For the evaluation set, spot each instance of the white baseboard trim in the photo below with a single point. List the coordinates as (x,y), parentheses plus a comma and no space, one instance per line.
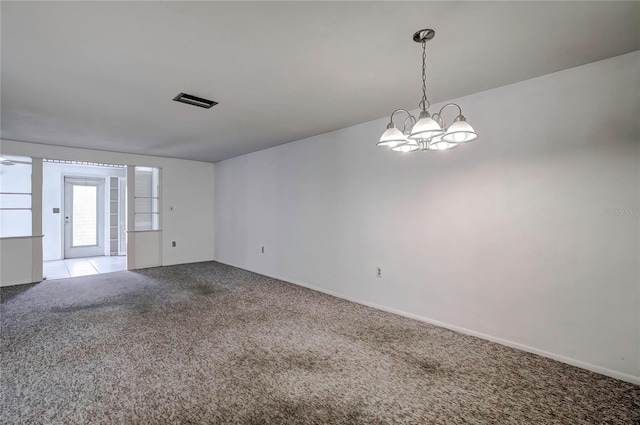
(563,359)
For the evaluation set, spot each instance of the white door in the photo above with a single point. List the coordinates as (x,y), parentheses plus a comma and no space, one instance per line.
(84,217)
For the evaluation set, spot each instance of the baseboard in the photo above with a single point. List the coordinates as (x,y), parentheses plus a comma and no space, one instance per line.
(8,285)
(166,264)
(563,359)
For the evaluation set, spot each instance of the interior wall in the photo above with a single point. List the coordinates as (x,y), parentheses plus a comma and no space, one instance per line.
(13,268)
(528,236)
(186,199)
(53,197)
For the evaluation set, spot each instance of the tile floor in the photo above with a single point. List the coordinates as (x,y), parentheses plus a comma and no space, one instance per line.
(73,267)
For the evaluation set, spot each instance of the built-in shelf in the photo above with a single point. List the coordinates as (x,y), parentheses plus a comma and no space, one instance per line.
(114,216)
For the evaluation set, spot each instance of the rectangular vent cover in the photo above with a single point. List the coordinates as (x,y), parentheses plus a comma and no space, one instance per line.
(194,100)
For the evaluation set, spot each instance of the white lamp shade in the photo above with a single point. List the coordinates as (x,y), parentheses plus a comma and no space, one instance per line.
(460,132)
(425,128)
(392,138)
(437,144)
(409,146)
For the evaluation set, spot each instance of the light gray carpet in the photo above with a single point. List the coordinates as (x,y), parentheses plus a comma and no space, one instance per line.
(209,343)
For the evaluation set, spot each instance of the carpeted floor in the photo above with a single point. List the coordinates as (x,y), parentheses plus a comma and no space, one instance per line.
(209,343)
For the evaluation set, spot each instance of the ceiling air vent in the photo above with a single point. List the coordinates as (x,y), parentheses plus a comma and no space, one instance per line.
(194,100)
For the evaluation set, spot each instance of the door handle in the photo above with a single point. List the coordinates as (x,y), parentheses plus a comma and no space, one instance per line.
(66,219)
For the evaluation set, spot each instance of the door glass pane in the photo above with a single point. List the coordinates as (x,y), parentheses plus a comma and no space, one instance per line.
(85,216)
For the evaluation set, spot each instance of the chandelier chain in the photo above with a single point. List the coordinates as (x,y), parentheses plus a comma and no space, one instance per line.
(423,103)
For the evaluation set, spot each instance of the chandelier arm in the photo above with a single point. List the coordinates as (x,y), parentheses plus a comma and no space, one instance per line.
(450,104)
(412,121)
(402,110)
(438,118)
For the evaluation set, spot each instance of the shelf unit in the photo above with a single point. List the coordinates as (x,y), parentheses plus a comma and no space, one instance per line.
(114,216)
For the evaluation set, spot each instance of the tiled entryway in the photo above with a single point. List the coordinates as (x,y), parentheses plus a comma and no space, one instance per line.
(73,267)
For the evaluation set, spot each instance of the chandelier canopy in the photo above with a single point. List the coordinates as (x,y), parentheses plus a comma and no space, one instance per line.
(427,133)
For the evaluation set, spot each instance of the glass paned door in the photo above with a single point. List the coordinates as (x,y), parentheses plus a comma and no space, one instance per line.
(84,217)
(84,227)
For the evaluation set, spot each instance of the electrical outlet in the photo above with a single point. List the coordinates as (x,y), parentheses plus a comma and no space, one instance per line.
(263,250)
(173,244)
(379,272)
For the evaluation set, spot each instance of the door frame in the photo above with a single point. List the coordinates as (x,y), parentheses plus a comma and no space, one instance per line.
(100,249)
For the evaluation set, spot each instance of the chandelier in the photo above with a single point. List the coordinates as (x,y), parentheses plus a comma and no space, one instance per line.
(428,132)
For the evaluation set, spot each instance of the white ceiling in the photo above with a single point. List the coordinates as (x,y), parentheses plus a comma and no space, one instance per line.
(101,75)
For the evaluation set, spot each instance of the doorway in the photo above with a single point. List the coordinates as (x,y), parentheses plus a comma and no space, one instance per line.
(84,217)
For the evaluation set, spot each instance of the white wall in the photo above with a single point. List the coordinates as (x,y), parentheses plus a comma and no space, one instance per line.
(53,197)
(528,236)
(187,186)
